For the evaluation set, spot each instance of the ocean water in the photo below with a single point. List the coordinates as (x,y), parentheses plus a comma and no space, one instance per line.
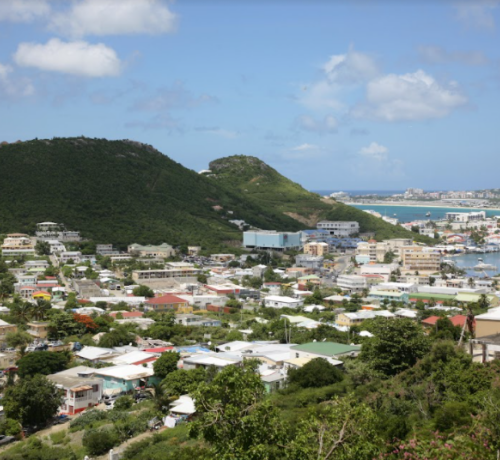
(470,260)
(360,192)
(410,213)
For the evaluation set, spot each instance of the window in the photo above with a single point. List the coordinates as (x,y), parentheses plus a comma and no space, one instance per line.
(95,388)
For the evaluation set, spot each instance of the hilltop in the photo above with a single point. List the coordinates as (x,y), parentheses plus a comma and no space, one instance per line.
(121,192)
(266,187)
(125,191)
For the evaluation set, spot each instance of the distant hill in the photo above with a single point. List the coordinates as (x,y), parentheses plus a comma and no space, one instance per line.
(267,188)
(121,192)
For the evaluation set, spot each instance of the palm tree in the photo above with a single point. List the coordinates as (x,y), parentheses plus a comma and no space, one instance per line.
(22,311)
(39,311)
(160,397)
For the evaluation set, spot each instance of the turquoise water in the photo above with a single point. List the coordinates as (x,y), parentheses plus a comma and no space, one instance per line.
(411,213)
(470,260)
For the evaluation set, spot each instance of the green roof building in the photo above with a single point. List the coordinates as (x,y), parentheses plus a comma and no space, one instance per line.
(324,350)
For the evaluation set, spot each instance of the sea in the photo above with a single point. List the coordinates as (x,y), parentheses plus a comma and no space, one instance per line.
(412,213)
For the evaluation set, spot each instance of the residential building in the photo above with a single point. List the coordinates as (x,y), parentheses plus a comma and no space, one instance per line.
(314,248)
(196,320)
(166,302)
(373,250)
(125,378)
(5,328)
(395,244)
(401,287)
(145,276)
(106,250)
(309,261)
(420,258)
(7,360)
(354,318)
(352,283)
(466,217)
(389,295)
(17,241)
(56,247)
(323,350)
(163,250)
(276,301)
(488,323)
(194,250)
(80,389)
(222,257)
(383,270)
(338,228)
(38,329)
(268,239)
(95,354)
(86,288)
(206,360)
(67,256)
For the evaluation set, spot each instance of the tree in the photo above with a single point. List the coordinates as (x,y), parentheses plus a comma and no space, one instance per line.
(233,336)
(19,339)
(181,381)
(123,403)
(397,345)
(143,291)
(32,401)
(389,257)
(483,301)
(166,363)
(233,418)
(432,280)
(342,429)
(42,362)
(117,337)
(314,374)
(98,442)
(42,248)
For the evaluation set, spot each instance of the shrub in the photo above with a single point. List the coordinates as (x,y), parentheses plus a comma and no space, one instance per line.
(123,403)
(10,427)
(87,418)
(98,442)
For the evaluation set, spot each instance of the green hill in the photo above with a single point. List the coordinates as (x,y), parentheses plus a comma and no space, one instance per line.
(120,192)
(267,188)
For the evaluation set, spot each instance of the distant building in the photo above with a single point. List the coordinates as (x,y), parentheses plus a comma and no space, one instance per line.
(466,216)
(267,239)
(339,228)
(166,302)
(275,301)
(372,250)
(419,258)
(163,250)
(314,248)
(308,261)
(352,283)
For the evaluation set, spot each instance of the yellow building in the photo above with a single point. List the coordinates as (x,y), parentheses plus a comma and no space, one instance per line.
(38,329)
(17,241)
(372,249)
(42,295)
(5,328)
(420,258)
(316,249)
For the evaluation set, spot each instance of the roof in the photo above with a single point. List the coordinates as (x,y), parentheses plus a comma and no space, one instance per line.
(457,320)
(279,298)
(127,314)
(41,293)
(133,357)
(92,353)
(158,349)
(326,348)
(126,372)
(165,299)
(493,314)
(183,405)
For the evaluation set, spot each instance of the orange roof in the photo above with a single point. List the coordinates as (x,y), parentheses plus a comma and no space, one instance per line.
(41,293)
(164,299)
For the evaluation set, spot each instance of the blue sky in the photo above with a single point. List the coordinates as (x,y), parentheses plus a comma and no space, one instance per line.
(335,95)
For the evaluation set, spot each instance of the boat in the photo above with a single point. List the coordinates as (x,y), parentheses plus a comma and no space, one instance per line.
(482,266)
(428,214)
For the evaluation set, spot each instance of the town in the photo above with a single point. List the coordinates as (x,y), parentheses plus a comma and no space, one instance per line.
(96,331)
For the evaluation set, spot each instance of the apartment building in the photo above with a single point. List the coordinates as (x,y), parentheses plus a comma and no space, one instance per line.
(316,249)
(338,228)
(372,250)
(352,283)
(420,258)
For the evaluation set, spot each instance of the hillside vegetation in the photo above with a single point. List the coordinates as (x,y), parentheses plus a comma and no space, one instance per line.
(121,192)
(267,188)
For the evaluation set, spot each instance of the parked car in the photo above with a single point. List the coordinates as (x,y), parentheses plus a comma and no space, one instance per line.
(6,439)
(60,419)
(108,399)
(110,405)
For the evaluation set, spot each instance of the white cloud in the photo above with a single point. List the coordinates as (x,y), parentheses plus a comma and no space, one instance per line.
(477,14)
(350,68)
(174,97)
(328,125)
(375,151)
(14,87)
(74,58)
(303,147)
(23,10)
(437,55)
(115,17)
(340,71)
(412,96)
(221,132)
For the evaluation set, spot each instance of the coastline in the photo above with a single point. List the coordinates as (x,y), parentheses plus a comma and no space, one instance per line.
(421,204)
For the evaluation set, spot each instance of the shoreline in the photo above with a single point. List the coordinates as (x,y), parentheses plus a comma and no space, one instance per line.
(422,205)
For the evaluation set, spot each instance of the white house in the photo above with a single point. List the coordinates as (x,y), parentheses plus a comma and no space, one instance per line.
(277,301)
(352,283)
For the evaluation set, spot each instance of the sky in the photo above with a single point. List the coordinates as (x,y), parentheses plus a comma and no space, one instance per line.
(336,95)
